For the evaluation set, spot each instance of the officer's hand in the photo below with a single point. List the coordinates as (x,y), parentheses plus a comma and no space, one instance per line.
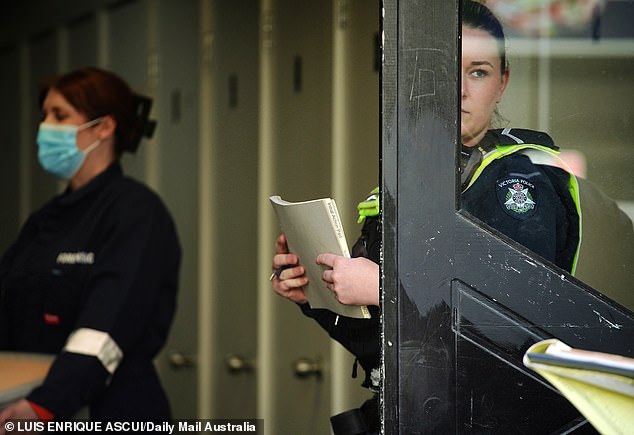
(20,410)
(290,282)
(354,281)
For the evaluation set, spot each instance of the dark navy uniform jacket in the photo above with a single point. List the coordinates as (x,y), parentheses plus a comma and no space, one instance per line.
(527,202)
(101,261)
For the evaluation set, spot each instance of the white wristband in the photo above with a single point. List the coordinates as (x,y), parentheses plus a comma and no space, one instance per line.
(95,343)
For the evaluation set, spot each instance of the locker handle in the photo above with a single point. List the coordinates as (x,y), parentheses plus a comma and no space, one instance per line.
(179,360)
(306,367)
(237,364)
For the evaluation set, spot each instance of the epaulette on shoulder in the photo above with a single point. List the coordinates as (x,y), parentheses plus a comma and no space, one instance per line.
(516,136)
(370,206)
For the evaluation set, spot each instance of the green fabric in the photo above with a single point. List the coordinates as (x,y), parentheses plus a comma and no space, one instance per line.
(370,206)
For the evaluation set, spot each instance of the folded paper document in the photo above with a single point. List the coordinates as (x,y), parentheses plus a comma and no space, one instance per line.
(599,385)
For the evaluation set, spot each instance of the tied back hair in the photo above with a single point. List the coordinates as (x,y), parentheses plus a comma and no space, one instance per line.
(145,125)
(95,92)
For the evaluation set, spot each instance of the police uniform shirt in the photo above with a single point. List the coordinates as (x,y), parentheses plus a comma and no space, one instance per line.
(92,278)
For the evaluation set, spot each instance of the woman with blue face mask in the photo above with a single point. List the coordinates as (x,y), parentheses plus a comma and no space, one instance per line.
(59,152)
(77,144)
(92,277)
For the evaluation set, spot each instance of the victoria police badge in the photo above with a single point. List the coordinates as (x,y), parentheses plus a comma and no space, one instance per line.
(516,196)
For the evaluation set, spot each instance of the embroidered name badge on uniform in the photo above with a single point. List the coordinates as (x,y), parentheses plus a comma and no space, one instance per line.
(516,196)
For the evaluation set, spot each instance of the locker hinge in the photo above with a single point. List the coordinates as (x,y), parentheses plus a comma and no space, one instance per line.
(153,70)
(342,13)
(207,50)
(267,29)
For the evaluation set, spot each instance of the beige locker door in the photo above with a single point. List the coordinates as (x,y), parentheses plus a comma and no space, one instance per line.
(295,116)
(234,168)
(175,43)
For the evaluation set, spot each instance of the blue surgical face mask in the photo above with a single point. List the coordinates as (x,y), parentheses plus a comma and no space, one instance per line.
(57,148)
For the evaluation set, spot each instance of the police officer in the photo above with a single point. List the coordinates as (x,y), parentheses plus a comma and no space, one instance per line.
(536,205)
(93,274)
(361,337)
(513,181)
